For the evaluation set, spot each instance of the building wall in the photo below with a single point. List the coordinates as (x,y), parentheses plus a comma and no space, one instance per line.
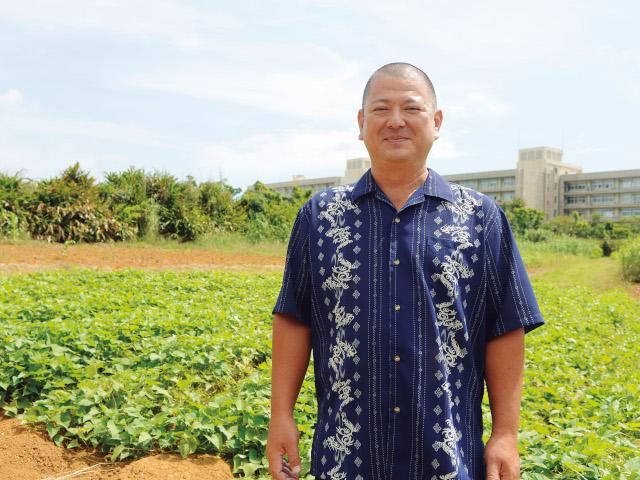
(539,171)
(499,184)
(613,194)
(540,178)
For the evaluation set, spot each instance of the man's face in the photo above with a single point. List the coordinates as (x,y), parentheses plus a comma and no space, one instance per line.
(398,123)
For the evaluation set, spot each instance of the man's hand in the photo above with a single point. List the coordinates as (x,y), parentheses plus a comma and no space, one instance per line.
(501,457)
(283,440)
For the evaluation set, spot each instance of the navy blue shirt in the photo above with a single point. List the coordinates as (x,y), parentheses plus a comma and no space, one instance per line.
(401,305)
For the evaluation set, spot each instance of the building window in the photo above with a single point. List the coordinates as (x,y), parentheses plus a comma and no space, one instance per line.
(488,183)
(630,198)
(468,183)
(605,212)
(577,200)
(508,181)
(602,199)
(572,187)
(508,196)
(602,185)
(631,183)
(630,212)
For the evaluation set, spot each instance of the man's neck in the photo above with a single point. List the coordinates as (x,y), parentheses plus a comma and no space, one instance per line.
(399,181)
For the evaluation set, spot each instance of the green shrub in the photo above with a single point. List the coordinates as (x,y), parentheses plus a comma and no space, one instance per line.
(538,235)
(68,208)
(216,201)
(13,196)
(563,245)
(523,219)
(630,260)
(269,215)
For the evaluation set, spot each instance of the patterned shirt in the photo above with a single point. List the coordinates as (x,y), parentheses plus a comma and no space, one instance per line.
(401,305)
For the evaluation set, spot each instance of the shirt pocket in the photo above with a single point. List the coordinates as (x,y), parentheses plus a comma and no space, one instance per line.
(446,264)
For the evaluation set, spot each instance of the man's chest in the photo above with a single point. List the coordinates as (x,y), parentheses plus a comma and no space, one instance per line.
(359,251)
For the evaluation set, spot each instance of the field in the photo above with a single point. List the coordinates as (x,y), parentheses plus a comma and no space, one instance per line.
(173,356)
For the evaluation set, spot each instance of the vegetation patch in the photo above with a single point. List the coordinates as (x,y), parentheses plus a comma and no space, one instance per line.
(134,362)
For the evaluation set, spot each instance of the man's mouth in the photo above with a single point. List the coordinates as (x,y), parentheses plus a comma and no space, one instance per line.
(396,139)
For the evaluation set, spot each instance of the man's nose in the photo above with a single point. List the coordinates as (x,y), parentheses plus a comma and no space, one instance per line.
(396,119)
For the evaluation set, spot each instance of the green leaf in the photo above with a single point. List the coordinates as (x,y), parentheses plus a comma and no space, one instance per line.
(117,452)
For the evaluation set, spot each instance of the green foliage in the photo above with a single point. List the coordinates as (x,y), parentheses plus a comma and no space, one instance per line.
(523,219)
(630,260)
(68,209)
(135,204)
(13,194)
(268,214)
(512,204)
(179,215)
(126,195)
(579,409)
(217,203)
(537,235)
(130,362)
(576,225)
(536,254)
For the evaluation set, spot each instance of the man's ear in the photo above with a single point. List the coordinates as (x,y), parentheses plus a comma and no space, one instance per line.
(360,123)
(437,120)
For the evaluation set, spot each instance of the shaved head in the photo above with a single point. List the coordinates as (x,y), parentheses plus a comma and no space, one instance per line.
(402,70)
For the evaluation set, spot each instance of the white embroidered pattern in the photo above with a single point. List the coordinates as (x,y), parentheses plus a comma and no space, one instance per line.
(341,350)
(453,268)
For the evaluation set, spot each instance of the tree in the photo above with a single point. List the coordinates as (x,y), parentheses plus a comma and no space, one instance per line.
(523,219)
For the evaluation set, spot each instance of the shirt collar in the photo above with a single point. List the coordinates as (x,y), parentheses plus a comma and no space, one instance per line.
(434,186)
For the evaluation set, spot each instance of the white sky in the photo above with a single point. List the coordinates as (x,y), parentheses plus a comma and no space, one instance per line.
(260,90)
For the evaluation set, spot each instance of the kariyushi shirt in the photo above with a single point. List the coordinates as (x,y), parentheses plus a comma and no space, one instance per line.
(401,305)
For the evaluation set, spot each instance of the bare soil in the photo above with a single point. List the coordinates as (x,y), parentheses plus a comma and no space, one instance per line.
(35,256)
(26,454)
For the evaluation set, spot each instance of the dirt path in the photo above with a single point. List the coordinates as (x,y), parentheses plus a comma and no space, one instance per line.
(33,256)
(26,454)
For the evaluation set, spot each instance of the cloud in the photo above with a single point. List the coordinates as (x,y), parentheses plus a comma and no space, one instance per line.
(444,148)
(169,21)
(11,97)
(317,83)
(277,156)
(467,102)
(30,119)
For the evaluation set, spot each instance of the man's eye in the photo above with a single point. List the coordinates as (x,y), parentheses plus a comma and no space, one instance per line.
(380,109)
(413,108)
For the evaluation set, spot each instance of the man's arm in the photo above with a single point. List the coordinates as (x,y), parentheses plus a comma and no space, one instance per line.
(504,366)
(291,348)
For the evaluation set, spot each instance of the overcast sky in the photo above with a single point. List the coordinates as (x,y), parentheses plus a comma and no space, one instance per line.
(262,90)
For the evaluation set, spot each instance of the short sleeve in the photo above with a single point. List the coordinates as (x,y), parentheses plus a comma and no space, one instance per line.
(510,302)
(295,293)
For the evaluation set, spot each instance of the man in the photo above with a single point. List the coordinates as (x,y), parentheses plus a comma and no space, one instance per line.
(412,293)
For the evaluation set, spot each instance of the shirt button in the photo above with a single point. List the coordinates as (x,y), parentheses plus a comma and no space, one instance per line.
(396,358)
(396,409)
(396,262)
(397,307)
(397,219)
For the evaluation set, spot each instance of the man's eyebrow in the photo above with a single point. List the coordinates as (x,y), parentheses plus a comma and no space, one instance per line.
(408,100)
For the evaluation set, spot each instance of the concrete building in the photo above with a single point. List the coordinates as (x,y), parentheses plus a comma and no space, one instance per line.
(355,168)
(536,179)
(614,194)
(540,178)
